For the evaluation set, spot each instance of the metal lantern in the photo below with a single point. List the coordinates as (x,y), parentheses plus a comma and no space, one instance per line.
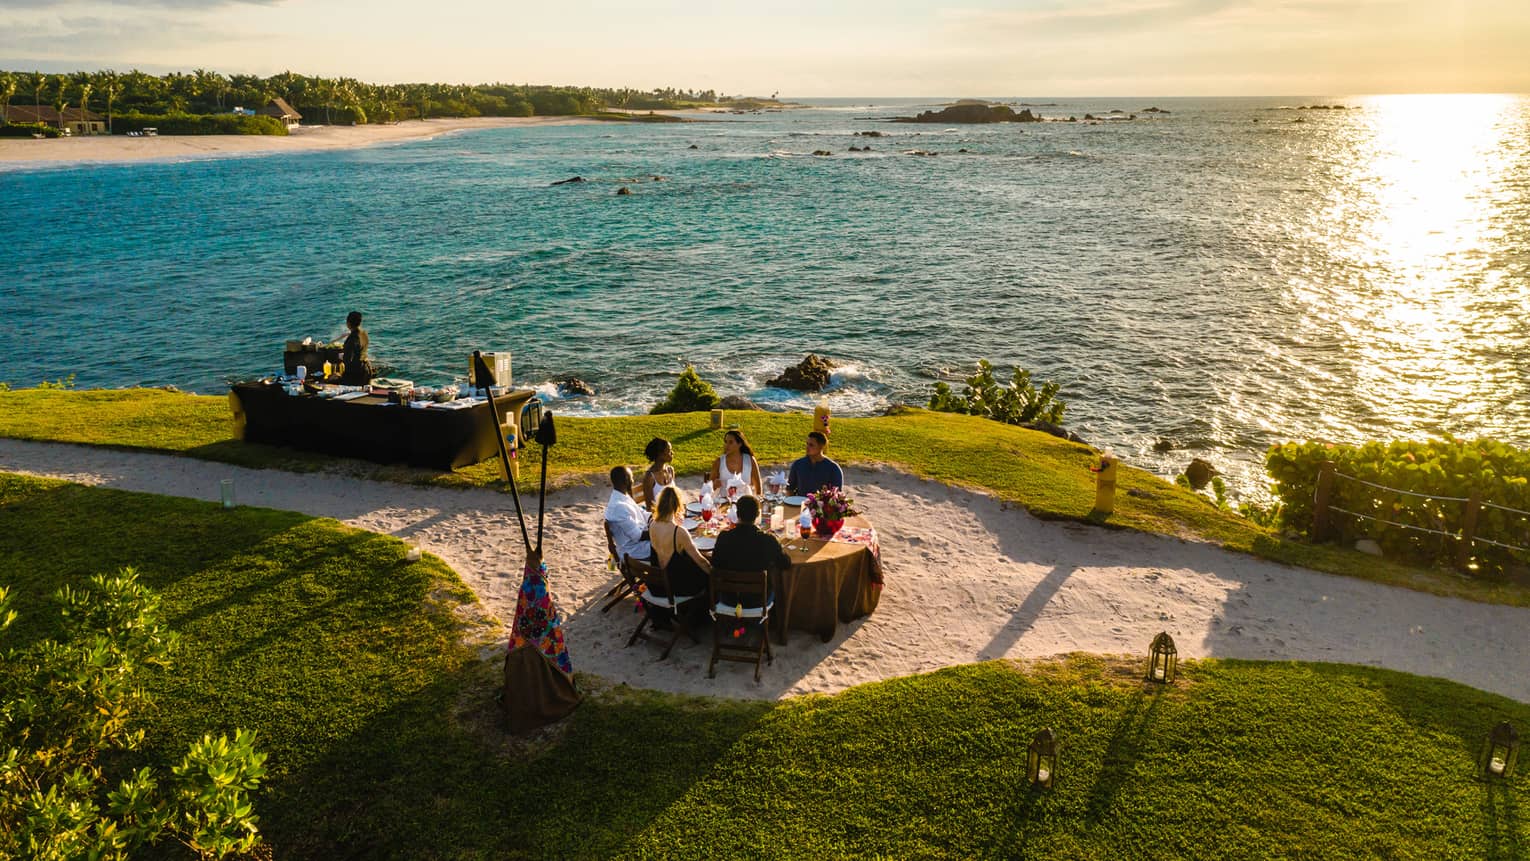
(1501,753)
(1041,759)
(1164,662)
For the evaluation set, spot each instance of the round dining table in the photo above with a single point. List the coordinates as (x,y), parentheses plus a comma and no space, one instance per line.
(830,581)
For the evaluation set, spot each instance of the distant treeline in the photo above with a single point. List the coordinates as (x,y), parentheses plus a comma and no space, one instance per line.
(327,100)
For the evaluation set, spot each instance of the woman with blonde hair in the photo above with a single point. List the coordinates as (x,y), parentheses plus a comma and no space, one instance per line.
(673,549)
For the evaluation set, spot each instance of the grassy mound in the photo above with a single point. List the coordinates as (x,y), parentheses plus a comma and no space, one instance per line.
(1047,475)
(349,662)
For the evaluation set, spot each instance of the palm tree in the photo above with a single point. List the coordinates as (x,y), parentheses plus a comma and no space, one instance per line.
(38,79)
(85,103)
(7,89)
(61,100)
(113,87)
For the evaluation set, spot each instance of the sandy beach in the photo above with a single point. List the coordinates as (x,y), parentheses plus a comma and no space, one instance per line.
(968,578)
(118,148)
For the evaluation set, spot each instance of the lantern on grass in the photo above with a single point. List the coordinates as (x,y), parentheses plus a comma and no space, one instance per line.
(1164,661)
(1041,759)
(1501,753)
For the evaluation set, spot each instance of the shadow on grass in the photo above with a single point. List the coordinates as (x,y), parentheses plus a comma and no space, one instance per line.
(435,775)
(1501,827)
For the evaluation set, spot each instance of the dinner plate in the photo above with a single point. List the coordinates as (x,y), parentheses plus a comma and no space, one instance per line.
(693,507)
(795,500)
(704,543)
(689,523)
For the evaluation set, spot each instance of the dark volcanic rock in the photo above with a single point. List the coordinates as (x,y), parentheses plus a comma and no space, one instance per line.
(868,134)
(569,180)
(573,386)
(738,402)
(810,375)
(1199,472)
(822,152)
(693,146)
(977,113)
(624,190)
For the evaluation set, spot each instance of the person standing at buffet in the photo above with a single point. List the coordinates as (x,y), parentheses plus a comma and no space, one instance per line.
(358,371)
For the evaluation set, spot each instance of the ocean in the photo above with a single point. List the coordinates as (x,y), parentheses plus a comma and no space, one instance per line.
(1202,281)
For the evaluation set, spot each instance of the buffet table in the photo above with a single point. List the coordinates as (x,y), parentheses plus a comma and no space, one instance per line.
(371,428)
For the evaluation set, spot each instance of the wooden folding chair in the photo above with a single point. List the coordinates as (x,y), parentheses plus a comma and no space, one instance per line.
(625,586)
(653,591)
(739,599)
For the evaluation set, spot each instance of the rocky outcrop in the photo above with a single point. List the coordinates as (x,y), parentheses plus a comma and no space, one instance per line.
(809,375)
(822,152)
(570,180)
(1055,430)
(973,113)
(575,387)
(1199,473)
(624,190)
(867,134)
(739,402)
(693,146)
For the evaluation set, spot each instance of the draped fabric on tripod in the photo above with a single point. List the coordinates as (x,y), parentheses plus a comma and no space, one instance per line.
(539,683)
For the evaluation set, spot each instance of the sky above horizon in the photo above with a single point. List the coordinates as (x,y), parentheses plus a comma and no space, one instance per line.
(807,49)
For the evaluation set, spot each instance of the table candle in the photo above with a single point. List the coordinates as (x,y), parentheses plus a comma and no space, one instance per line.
(413,552)
(1496,765)
(1158,673)
(1042,774)
(226,492)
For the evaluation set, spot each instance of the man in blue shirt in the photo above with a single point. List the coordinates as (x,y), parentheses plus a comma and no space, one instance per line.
(809,474)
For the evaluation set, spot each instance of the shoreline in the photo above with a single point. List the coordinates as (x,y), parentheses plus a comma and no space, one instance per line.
(121,148)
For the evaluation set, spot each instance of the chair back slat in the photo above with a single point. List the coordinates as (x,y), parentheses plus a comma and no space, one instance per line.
(751,587)
(653,577)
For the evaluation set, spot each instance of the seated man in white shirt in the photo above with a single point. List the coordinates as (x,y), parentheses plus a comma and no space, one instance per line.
(629,521)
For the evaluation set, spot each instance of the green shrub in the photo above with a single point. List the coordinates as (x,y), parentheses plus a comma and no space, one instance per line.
(26,130)
(690,394)
(199,124)
(66,712)
(1447,467)
(1015,404)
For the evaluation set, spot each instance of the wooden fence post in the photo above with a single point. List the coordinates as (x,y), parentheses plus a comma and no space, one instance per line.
(1320,501)
(1468,530)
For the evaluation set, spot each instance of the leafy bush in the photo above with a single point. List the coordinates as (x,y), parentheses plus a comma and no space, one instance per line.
(199,124)
(62,383)
(66,702)
(1446,467)
(1015,404)
(26,130)
(690,394)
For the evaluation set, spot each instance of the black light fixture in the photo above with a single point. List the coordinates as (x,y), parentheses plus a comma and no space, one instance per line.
(1164,663)
(1501,753)
(1041,759)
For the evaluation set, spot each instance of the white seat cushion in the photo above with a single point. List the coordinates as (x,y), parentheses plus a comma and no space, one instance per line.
(668,603)
(730,611)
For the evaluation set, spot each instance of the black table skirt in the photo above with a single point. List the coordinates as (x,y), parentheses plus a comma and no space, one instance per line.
(371,429)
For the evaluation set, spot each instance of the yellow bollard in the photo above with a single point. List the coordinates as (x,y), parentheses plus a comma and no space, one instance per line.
(821,421)
(1105,483)
(717,419)
(511,470)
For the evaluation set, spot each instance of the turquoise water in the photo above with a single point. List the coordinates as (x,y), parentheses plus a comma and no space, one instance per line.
(1197,277)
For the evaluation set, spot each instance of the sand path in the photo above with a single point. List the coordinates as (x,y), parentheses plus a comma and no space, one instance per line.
(968,579)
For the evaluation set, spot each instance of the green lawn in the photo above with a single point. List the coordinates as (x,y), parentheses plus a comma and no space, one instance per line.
(1047,475)
(350,664)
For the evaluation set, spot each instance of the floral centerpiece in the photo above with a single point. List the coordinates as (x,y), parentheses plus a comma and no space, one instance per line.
(830,506)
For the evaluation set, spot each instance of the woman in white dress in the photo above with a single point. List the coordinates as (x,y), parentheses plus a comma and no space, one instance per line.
(737,462)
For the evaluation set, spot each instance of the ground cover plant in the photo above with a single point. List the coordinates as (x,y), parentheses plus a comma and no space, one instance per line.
(349,663)
(1049,476)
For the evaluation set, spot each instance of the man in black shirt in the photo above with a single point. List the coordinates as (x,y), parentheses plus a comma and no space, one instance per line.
(745,547)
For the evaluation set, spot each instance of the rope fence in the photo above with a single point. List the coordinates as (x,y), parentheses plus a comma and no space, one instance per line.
(1465,537)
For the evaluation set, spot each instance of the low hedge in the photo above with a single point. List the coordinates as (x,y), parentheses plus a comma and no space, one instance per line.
(199,124)
(26,130)
(1448,467)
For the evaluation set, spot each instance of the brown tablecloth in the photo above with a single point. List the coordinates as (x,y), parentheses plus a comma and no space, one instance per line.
(371,429)
(828,583)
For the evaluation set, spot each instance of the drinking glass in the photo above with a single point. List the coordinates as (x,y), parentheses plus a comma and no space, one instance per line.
(327,368)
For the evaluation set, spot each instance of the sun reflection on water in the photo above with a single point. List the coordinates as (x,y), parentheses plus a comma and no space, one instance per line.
(1412,222)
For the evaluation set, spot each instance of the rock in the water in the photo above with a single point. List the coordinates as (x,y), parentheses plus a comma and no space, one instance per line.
(973,113)
(738,402)
(569,180)
(693,146)
(1199,472)
(1366,545)
(624,190)
(573,386)
(809,375)
(822,152)
(868,134)
(1163,445)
